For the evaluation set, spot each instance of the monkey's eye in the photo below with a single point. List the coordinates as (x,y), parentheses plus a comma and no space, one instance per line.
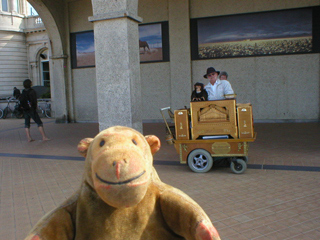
(102,143)
(134,142)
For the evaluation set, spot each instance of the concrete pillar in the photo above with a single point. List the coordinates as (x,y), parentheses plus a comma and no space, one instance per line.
(33,69)
(12,5)
(117,63)
(23,7)
(58,89)
(180,55)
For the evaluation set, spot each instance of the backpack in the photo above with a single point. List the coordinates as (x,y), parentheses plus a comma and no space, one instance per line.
(24,101)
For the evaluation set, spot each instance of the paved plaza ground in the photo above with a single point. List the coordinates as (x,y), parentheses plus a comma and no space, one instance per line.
(278,197)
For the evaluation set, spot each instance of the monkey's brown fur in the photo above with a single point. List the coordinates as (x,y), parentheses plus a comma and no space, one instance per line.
(121,197)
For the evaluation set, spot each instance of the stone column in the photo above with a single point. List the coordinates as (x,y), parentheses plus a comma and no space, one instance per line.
(23,9)
(117,63)
(12,5)
(33,69)
(58,89)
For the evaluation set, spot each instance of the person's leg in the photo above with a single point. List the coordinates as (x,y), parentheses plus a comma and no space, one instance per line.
(37,119)
(29,135)
(27,126)
(44,137)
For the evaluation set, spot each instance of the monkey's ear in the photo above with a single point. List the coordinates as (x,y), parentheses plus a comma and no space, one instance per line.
(83,146)
(154,143)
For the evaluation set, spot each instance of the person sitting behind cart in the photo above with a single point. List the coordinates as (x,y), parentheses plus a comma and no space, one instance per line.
(199,93)
(223,75)
(217,89)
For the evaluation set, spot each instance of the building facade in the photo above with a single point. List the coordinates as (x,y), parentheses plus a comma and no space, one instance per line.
(119,89)
(24,47)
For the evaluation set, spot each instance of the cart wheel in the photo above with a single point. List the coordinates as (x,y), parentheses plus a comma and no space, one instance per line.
(200,161)
(238,166)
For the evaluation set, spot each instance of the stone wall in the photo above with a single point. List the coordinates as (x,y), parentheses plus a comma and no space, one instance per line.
(83,79)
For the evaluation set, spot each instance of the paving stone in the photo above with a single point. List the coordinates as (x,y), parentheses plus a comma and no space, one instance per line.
(259,204)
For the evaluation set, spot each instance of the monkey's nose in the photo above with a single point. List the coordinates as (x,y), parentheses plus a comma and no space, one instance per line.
(117,165)
(114,163)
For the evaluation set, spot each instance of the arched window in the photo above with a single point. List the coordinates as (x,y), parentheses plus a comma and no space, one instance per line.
(44,68)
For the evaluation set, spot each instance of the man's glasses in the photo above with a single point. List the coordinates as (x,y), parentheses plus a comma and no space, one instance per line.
(211,74)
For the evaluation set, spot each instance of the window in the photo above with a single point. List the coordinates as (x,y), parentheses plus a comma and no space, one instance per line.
(45,69)
(31,11)
(5,5)
(45,74)
(17,6)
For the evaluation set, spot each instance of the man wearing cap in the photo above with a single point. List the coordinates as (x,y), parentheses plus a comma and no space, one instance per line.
(217,89)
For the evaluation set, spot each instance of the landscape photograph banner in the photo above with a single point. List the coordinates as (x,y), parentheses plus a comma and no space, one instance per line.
(82,49)
(253,34)
(154,42)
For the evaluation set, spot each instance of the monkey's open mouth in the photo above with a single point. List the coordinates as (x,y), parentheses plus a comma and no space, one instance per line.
(120,183)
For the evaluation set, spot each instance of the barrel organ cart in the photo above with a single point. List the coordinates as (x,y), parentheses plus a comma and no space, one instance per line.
(209,131)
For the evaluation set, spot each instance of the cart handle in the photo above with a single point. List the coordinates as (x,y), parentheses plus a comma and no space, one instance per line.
(165,120)
(165,108)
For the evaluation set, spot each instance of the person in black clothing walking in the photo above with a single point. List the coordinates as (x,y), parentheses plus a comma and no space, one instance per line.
(32,111)
(16,92)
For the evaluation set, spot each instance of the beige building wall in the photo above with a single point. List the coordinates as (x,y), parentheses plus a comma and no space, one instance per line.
(271,83)
(155,77)
(279,87)
(83,80)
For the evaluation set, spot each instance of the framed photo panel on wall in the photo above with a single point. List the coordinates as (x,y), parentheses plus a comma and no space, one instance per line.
(82,49)
(154,42)
(293,31)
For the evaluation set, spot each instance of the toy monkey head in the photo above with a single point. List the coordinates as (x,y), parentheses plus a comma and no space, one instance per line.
(119,164)
(198,87)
